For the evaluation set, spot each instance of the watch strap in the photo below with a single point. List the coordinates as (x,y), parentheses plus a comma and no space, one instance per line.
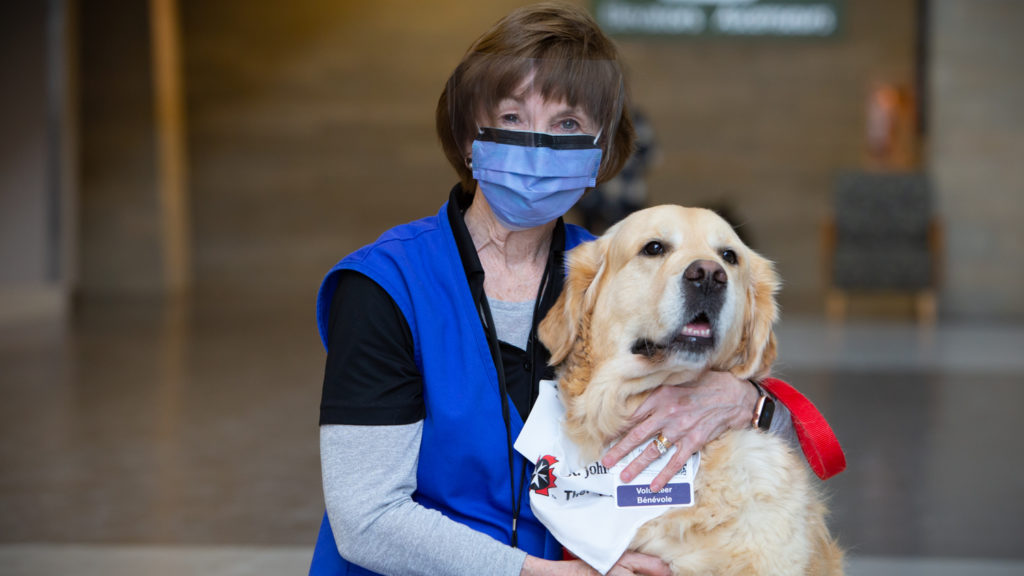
(763,411)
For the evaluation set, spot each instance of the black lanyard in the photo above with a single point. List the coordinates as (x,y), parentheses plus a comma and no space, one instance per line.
(484,310)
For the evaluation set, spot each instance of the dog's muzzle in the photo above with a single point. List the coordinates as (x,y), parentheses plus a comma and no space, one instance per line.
(703,290)
(704,284)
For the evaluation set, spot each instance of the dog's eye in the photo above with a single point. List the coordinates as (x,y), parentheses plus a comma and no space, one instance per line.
(653,248)
(730,257)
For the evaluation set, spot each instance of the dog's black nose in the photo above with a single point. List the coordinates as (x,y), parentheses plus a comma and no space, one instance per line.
(706,276)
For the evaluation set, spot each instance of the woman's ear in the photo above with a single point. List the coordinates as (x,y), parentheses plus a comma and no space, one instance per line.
(563,324)
(758,346)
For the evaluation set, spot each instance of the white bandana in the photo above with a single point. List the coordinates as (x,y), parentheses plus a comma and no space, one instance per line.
(586,506)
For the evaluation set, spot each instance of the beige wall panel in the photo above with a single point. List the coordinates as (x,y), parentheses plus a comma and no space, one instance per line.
(976,152)
(119,212)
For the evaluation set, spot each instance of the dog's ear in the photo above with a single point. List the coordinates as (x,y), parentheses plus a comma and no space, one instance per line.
(759,349)
(563,324)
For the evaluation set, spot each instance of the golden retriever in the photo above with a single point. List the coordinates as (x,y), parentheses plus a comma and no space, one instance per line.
(664,295)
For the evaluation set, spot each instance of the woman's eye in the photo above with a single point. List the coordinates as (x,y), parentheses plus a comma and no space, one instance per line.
(730,257)
(510,118)
(653,248)
(569,125)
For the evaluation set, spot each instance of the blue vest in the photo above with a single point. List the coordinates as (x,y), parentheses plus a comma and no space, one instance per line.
(463,463)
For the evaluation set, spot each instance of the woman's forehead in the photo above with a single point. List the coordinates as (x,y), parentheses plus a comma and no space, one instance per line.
(534,99)
(528,93)
(549,87)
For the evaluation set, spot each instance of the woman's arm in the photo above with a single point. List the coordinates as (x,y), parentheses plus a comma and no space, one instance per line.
(376,524)
(369,475)
(371,422)
(630,564)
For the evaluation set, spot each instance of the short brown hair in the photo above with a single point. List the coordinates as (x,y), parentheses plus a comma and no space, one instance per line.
(572,60)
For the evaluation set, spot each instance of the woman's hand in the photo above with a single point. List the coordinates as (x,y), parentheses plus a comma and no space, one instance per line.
(534,566)
(689,415)
(629,564)
(636,564)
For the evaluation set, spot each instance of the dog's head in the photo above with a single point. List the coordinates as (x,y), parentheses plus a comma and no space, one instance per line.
(664,295)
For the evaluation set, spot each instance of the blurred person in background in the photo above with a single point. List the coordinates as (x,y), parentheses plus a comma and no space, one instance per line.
(626,193)
(433,361)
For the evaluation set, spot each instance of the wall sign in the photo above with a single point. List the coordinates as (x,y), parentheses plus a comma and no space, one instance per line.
(740,18)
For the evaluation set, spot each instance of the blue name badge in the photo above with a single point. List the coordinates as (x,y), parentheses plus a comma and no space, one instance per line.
(632,495)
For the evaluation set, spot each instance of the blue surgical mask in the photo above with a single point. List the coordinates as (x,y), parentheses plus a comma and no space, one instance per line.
(531,178)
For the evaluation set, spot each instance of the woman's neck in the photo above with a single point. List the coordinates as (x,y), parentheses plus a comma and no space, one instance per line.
(513,260)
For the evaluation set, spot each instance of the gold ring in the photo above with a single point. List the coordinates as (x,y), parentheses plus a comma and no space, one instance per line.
(662,443)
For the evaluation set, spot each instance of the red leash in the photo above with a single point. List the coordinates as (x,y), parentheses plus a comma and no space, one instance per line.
(821,448)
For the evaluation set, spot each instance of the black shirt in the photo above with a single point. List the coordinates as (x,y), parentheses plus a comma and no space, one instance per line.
(371,377)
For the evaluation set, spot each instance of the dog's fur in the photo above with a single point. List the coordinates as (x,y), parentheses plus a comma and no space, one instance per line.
(630,319)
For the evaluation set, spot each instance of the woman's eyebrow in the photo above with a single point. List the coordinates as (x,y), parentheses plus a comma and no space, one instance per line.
(561,110)
(520,92)
(574,110)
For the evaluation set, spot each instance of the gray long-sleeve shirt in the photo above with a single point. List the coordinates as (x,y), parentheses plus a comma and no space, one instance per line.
(369,476)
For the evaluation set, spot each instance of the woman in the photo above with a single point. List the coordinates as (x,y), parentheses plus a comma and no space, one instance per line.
(433,360)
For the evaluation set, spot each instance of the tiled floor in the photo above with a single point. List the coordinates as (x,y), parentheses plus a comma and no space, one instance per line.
(180,438)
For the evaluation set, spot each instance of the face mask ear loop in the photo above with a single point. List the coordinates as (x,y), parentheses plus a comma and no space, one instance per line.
(598,136)
(469,159)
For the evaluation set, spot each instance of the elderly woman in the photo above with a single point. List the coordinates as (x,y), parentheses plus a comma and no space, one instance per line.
(433,362)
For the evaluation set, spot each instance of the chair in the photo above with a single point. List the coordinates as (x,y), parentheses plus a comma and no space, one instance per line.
(882,238)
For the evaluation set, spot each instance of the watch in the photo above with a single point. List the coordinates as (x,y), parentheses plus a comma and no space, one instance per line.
(763,411)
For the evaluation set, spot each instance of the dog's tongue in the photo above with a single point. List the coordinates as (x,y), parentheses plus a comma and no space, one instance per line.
(698,329)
